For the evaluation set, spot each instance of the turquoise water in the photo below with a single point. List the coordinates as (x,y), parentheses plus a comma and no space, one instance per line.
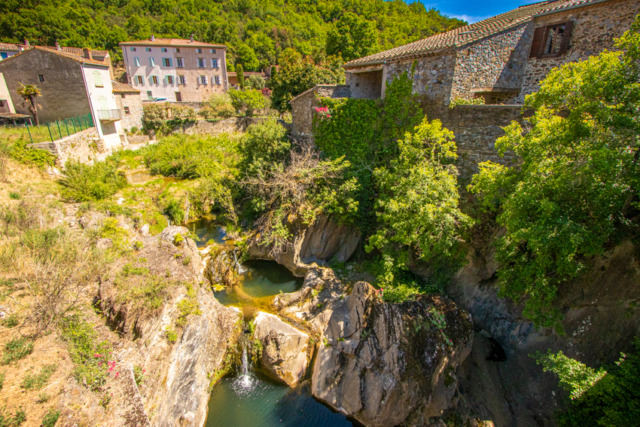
(266,405)
(206,230)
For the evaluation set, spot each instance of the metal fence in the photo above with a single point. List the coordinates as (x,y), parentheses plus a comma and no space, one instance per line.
(59,129)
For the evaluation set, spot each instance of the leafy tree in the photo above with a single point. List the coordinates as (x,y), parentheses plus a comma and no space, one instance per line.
(248,101)
(577,184)
(417,207)
(240,75)
(30,93)
(246,57)
(352,37)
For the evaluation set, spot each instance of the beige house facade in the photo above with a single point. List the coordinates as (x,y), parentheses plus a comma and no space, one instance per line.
(130,104)
(179,70)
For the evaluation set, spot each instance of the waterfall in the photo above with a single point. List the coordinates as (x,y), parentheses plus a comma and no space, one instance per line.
(245,382)
(239,268)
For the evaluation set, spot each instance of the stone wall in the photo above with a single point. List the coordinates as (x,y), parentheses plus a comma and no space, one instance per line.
(84,147)
(230,125)
(493,63)
(476,128)
(134,102)
(302,107)
(594,28)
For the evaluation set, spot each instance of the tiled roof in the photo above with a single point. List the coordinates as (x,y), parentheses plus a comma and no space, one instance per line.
(77,50)
(559,6)
(468,34)
(71,56)
(172,42)
(123,88)
(10,46)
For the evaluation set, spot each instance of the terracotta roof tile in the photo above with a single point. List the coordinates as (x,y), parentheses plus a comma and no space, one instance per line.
(10,46)
(122,88)
(468,34)
(172,42)
(71,56)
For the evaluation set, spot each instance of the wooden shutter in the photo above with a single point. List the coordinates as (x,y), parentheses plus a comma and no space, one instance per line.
(536,45)
(566,37)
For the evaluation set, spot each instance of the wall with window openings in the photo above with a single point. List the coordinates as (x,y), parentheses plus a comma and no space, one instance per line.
(592,29)
(190,74)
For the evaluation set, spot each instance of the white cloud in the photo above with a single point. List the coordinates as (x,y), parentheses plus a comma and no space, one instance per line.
(470,18)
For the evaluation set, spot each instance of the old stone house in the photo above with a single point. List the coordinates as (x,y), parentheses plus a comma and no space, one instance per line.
(130,104)
(70,85)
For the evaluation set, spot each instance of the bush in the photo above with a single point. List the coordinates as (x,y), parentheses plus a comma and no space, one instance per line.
(16,349)
(164,118)
(84,183)
(9,420)
(31,156)
(51,418)
(33,381)
(248,101)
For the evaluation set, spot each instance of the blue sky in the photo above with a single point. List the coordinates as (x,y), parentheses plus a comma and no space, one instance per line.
(474,10)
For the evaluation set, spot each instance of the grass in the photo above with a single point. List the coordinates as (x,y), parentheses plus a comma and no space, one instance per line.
(16,349)
(10,321)
(51,418)
(14,195)
(12,420)
(37,381)
(187,306)
(96,182)
(1,381)
(150,294)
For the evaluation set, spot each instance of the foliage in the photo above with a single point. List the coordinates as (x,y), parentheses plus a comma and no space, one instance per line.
(83,183)
(611,401)
(139,374)
(417,206)
(298,73)
(575,377)
(577,185)
(89,358)
(30,156)
(10,321)
(29,93)
(352,37)
(9,420)
(248,101)
(16,349)
(265,145)
(256,82)
(220,106)
(51,418)
(37,381)
(240,76)
(164,118)
(187,306)
(463,101)
(171,334)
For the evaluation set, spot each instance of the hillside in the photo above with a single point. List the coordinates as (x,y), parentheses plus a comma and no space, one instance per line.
(255,31)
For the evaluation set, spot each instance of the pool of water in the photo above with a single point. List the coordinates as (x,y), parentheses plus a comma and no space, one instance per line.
(251,402)
(206,230)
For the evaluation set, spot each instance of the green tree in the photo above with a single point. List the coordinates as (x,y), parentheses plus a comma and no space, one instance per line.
(418,202)
(576,186)
(352,37)
(30,93)
(248,101)
(240,75)
(246,57)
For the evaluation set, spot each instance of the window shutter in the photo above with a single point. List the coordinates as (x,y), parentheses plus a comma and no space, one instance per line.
(536,45)
(566,37)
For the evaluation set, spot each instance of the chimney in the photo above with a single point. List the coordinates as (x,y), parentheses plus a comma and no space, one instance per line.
(86,53)
(26,43)
(192,35)
(58,46)
(152,38)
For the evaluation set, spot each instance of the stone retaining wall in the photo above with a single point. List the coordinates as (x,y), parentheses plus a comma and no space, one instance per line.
(230,125)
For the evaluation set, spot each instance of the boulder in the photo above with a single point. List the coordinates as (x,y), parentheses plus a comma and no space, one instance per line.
(381,363)
(284,348)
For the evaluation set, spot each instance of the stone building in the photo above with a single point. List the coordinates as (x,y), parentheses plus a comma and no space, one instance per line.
(176,69)
(70,85)
(130,104)
(302,106)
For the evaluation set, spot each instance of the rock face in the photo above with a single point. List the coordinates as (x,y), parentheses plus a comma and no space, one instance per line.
(284,348)
(322,241)
(381,363)
(176,390)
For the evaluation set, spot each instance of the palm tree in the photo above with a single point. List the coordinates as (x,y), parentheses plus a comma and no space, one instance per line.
(30,93)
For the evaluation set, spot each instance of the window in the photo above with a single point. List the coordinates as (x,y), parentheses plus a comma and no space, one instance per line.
(137,61)
(1,103)
(200,62)
(179,63)
(97,79)
(152,62)
(217,79)
(166,62)
(203,80)
(551,41)
(164,49)
(123,95)
(178,96)
(41,78)
(214,63)
(127,111)
(170,80)
(140,80)
(149,94)
(213,51)
(177,50)
(182,80)
(133,49)
(148,49)
(198,50)
(154,80)
(3,55)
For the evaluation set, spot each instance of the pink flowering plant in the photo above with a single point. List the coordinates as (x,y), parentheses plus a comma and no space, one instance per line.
(323,112)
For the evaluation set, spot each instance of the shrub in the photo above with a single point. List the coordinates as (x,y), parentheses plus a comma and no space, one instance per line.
(149,294)
(171,334)
(86,183)
(173,210)
(31,156)
(16,349)
(462,101)
(14,196)
(33,381)
(9,420)
(139,374)
(248,101)
(188,305)
(50,418)
(89,358)
(164,118)
(10,321)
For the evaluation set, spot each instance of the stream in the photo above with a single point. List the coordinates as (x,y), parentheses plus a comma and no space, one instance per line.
(247,399)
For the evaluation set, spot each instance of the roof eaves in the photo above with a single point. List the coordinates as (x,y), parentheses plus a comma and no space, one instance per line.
(551,11)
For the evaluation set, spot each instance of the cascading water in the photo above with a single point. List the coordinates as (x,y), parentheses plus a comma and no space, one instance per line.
(245,382)
(241,269)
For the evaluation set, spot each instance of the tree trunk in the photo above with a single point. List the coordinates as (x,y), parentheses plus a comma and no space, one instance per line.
(34,111)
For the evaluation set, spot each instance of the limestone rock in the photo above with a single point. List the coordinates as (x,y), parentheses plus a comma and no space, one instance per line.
(323,240)
(284,348)
(381,363)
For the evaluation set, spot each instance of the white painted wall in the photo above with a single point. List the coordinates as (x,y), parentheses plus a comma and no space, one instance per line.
(100,92)
(5,97)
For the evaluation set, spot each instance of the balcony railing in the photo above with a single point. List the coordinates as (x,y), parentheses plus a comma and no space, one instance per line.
(109,115)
